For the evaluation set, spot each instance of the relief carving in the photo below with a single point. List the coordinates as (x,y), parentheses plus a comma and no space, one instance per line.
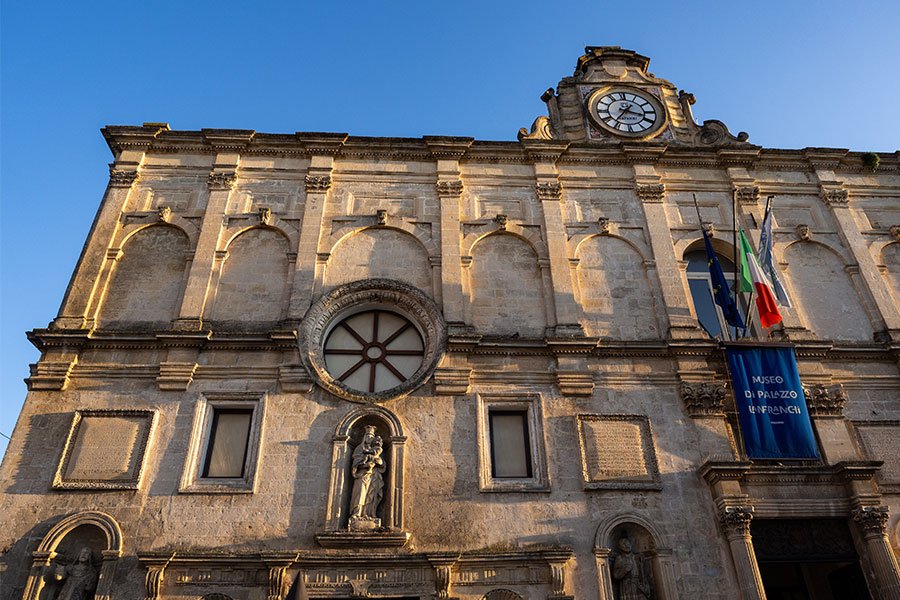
(501,220)
(736,520)
(264,216)
(651,192)
(449,188)
(703,399)
(316,183)
(871,520)
(368,467)
(825,401)
(747,194)
(222,181)
(710,228)
(79,577)
(803,231)
(163,214)
(895,232)
(836,197)
(125,179)
(631,579)
(381,217)
(540,130)
(548,190)
(603,225)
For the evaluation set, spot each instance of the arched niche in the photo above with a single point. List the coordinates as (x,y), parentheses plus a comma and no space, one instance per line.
(629,552)
(61,546)
(614,290)
(507,287)
(147,282)
(824,293)
(348,436)
(890,258)
(501,594)
(380,252)
(254,281)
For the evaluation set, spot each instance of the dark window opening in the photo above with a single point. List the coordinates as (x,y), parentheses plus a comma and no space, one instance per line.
(226,448)
(510,444)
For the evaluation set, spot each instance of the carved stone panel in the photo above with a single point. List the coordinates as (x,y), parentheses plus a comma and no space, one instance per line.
(105,450)
(617,452)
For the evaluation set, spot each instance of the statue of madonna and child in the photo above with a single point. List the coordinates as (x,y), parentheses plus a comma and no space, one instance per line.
(368,482)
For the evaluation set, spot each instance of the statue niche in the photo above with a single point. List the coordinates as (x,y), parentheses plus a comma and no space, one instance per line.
(75,577)
(367,471)
(632,563)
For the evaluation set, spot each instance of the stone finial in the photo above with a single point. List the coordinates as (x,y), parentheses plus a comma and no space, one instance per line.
(803,231)
(449,189)
(736,520)
(548,190)
(835,196)
(710,228)
(163,214)
(703,399)
(124,179)
(540,130)
(222,181)
(824,401)
(871,520)
(264,216)
(501,220)
(651,192)
(895,232)
(747,194)
(603,225)
(381,217)
(317,183)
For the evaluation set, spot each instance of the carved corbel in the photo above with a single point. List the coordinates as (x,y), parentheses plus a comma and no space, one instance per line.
(359,588)
(650,192)
(803,232)
(176,375)
(381,217)
(736,520)
(163,214)
(264,216)
(317,183)
(277,580)
(825,401)
(557,562)
(603,225)
(443,571)
(709,227)
(501,220)
(703,399)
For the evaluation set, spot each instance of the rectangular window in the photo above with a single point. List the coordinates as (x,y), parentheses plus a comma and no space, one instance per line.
(227,443)
(510,446)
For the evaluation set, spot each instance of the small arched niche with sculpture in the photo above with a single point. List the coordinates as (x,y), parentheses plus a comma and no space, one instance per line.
(365,504)
(631,565)
(76,560)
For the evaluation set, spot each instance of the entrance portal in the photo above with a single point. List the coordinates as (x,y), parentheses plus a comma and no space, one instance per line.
(808,559)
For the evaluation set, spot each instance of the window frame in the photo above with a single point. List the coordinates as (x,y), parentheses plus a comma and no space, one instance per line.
(193,480)
(529,405)
(727,331)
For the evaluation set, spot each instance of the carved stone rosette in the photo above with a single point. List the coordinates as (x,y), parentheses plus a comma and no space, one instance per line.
(449,189)
(747,194)
(703,399)
(317,183)
(123,179)
(548,190)
(825,401)
(650,192)
(835,197)
(222,181)
(736,520)
(871,520)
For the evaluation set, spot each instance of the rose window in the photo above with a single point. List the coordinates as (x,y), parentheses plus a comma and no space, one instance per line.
(373,351)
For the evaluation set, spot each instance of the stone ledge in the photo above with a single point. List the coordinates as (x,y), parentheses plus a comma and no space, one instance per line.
(362,539)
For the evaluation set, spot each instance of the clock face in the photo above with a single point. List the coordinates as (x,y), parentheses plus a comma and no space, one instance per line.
(626,112)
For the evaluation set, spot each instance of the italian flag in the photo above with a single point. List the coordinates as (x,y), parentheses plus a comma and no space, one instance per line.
(753,279)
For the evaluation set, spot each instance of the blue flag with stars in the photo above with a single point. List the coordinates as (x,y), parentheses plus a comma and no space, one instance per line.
(721,293)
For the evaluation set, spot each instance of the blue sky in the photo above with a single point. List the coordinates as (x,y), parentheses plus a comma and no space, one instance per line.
(792,74)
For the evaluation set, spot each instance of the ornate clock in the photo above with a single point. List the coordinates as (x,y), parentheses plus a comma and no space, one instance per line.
(626,112)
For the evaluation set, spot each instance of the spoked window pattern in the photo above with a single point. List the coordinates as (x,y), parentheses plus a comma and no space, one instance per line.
(374,351)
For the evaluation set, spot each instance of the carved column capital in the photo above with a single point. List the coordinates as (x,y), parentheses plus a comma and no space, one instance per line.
(825,401)
(871,520)
(747,194)
(548,190)
(317,183)
(449,189)
(736,520)
(122,179)
(222,181)
(703,399)
(835,196)
(650,192)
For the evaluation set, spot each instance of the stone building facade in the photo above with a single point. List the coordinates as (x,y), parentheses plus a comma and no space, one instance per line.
(451,368)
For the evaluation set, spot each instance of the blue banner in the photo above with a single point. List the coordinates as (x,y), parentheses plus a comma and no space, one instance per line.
(771,405)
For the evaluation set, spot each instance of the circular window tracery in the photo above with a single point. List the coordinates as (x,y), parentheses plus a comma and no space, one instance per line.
(373,351)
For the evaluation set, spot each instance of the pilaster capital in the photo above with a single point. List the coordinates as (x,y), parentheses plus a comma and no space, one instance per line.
(444,147)
(317,183)
(119,178)
(451,188)
(650,192)
(747,194)
(825,401)
(222,181)
(835,196)
(548,190)
(736,520)
(871,520)
(703,399)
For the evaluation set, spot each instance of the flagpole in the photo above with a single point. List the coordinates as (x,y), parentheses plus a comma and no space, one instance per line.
(735,253)
(750,302)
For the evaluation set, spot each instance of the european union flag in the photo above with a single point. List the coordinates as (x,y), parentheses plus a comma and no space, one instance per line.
(721,293)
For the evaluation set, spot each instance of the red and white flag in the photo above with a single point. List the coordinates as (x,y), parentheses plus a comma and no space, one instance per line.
(765,298)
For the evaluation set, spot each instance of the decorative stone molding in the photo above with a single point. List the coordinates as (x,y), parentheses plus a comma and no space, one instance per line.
(548,190)
(317,183)
(836,196)
(557,562)
(264,216)
(502,221)
(617,452)
(452,382)
(359,588)
(163,214)
(176,376)
(51,374)
(747,194)
(736,520)
(277,580)
(703,399)
(156,574)
(294,378)
(895,232)
(871,520)
(349,299)
(575,383)
(825,401)
(381,217)
(540,130)
(603,225)
(650,192)
(803,231)
(449,189)
(122,179)
(222,181)
(443,571)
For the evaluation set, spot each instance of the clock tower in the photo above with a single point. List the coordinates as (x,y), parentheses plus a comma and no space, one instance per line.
(611,98)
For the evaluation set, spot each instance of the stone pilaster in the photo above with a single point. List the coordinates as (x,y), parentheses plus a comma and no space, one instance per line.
(558,562)
(443,571)
(884,572)
(735,521)
(604,578)
(153,581)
